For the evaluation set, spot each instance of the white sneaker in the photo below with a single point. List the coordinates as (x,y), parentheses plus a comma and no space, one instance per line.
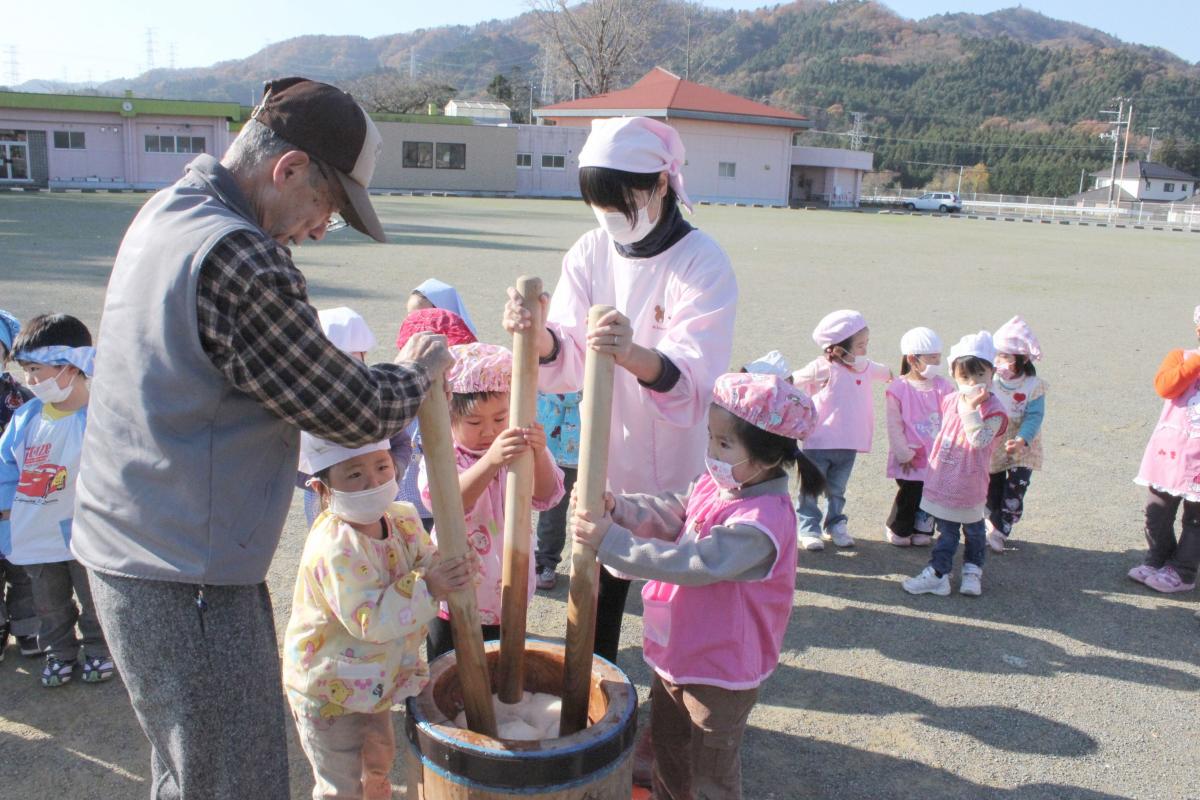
(927,582)
(972,581)
(838,535)
(995,539)
(812,543)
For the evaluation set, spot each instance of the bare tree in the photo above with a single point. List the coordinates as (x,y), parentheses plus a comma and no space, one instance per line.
(600,41)
(389,92)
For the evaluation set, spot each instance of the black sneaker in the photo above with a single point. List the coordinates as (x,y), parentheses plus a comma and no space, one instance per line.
(547,578)
(97,669)
(29,646)
(56,672)
(3,639)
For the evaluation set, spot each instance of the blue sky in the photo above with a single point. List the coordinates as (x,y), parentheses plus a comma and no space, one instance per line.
(77,41)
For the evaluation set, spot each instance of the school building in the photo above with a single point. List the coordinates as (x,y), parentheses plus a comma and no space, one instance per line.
(739,151)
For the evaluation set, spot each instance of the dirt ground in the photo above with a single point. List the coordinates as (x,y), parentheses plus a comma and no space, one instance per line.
(1065,680)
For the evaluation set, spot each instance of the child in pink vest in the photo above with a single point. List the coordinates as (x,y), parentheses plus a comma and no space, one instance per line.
(956,484)
(1171,472)
(484,444)
(1023,395)
(841,383)
(914,417)
(721,565)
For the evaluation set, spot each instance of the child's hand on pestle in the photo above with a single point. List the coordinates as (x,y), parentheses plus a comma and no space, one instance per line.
(587,531)
(506,447)
(448,575)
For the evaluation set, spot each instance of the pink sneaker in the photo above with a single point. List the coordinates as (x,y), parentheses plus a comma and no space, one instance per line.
(1167,580)
(1141,572)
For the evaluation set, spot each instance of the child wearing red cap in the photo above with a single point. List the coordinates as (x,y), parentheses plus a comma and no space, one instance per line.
(721,563)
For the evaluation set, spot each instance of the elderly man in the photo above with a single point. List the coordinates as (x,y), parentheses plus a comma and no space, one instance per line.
(210,362)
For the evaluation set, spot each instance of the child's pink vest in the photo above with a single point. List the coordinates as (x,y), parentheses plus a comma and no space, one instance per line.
(846,409)
(921,413)
(1171,462)
(725,634)
(958,473)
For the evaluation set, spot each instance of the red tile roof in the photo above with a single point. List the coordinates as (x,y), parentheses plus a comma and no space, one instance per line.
(660,90)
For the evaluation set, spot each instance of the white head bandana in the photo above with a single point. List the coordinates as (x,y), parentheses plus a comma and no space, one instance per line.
(637,144)
(346,329)
(920,342)
(316,454)
(978,345)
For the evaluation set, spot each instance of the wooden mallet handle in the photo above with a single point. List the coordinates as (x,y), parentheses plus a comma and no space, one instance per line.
(518,497)
(438,444)
(595,428)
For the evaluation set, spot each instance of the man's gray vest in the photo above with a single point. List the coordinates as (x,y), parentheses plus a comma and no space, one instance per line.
(183,477)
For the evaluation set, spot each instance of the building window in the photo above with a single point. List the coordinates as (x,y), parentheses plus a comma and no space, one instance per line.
(418,155)
(554,162)
(524,160)
(451,156)
(69,140)
(1168,187)
(796,137)
(726,169)
(1183,187)
(174,144)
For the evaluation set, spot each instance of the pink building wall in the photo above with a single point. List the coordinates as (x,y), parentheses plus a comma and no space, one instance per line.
(115,153)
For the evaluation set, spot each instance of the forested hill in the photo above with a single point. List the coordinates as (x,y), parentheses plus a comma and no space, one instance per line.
(1015,91)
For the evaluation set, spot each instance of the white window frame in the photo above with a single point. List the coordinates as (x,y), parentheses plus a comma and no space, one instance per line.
(6,167)
(1168,187)
(732,171)
(69,146)
(525,166)
(554,155)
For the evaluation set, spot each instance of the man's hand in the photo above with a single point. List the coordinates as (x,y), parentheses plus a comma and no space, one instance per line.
(430,351)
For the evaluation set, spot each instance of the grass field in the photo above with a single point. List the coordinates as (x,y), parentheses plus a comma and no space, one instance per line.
(1064,680)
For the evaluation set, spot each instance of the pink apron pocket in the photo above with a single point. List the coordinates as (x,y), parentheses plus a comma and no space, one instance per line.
(656,611)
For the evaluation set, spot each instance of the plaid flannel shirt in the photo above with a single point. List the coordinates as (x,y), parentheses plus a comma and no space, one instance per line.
(257,327)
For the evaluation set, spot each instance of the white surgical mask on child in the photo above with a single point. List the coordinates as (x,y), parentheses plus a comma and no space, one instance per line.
(48,390)
(970,390)
(929,371)
(617,226)
(366,506)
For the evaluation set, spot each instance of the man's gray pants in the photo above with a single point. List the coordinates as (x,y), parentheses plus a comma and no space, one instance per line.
(201,666)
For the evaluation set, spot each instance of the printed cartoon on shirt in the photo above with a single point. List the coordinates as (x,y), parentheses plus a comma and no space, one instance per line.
(39,480)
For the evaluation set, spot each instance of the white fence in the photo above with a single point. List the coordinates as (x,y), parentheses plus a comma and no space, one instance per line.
(1172,216)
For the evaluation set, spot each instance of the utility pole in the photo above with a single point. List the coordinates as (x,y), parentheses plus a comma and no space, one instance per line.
(1115,135)
(1082,172)
(856,133)
(14,70)
(1150,149)
(531,102)
(1125,150)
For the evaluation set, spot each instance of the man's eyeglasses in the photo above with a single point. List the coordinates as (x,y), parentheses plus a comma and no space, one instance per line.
(336,222)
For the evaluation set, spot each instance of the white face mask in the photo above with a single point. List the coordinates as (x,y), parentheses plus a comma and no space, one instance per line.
(617,226)
(970,390)
(363,507)
(48,391)
(929,371)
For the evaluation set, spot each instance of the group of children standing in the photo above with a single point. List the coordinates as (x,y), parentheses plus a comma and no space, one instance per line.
(961,450)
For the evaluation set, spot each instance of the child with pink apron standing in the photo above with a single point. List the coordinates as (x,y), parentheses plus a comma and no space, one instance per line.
(721,564)
(1171,472)
(955,491)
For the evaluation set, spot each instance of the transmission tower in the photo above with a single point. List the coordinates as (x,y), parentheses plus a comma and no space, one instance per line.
(149,49)
(856,133)
(14,69)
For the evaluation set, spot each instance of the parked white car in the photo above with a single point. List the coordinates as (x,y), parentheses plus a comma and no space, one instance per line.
(945,202)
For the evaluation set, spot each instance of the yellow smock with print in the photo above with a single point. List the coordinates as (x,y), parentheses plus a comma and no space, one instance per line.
(358,617)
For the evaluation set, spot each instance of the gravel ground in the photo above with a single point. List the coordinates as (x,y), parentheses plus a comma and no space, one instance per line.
(1064,680)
